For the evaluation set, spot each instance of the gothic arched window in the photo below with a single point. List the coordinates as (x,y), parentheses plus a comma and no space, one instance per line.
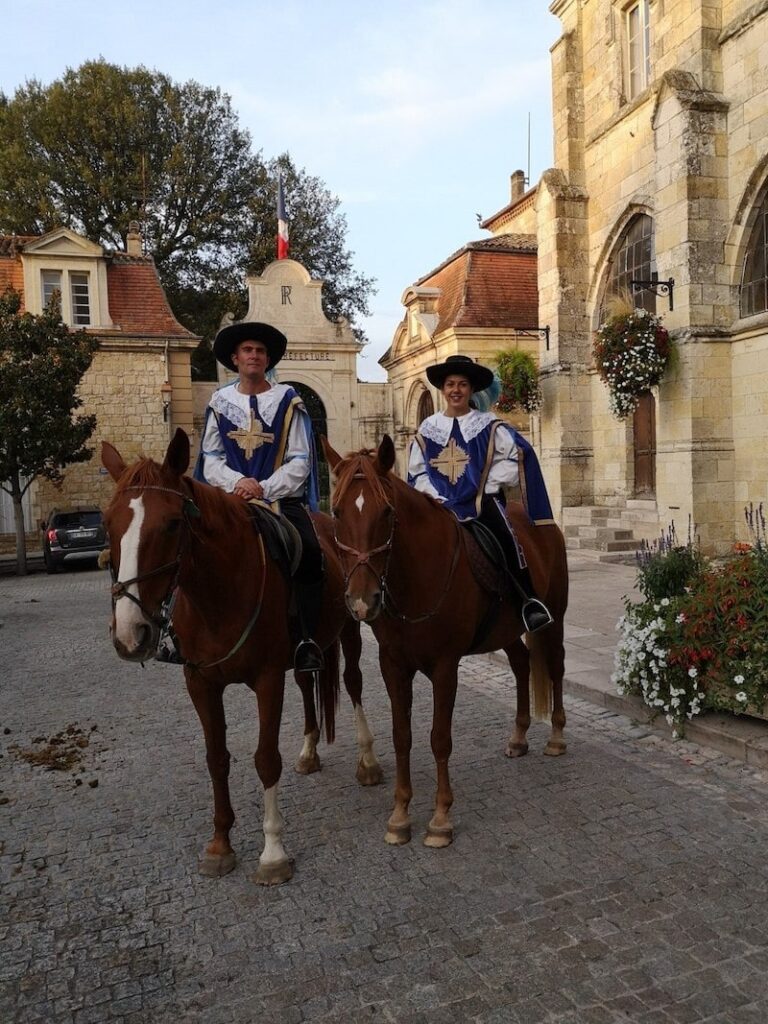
(754,279)
(634,260)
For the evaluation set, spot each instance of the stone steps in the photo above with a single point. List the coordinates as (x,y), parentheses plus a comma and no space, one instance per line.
(610,531)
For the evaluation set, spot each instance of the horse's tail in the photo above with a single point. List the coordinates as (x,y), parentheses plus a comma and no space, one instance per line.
(541,679)
(327,692)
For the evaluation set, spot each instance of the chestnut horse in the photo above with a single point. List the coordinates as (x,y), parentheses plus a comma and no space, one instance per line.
(181,550)
(408,573)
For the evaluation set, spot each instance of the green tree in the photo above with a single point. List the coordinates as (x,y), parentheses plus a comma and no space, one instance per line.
(41,365)
(105,145)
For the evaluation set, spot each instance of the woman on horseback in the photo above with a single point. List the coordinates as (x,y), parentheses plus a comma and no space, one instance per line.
(465,458)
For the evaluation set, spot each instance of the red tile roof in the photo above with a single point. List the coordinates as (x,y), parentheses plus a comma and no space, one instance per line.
(137,302)
(11,270)
(490,283)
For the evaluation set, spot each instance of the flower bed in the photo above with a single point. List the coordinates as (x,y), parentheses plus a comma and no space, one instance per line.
(632,351)
(699,639)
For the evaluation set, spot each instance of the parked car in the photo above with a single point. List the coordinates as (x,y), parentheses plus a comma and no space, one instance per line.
(72,535)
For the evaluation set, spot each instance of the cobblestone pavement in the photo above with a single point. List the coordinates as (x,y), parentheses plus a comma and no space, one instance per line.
(625,881)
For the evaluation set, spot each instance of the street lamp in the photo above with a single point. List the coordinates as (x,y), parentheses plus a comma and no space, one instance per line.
(166,392)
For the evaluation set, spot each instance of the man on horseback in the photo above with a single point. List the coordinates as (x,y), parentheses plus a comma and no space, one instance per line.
(257,443)
(464,458)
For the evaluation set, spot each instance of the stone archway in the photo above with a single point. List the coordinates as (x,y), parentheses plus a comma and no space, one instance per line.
(317,414)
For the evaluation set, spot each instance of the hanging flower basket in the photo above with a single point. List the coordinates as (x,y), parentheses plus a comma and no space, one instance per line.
(519,376)
(632,352)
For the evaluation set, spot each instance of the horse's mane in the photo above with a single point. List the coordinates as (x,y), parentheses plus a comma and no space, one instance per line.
(357,464)
(211,501)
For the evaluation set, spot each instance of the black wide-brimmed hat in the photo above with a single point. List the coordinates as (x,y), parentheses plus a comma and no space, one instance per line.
(230,337)
(479,376)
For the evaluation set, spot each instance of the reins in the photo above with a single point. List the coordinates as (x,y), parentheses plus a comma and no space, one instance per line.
(163,620)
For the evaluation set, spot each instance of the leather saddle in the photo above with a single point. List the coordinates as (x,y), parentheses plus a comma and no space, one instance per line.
(486,559)
(281,538)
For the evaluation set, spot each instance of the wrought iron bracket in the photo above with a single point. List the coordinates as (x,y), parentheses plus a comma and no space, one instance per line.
(535,330)
(658,287)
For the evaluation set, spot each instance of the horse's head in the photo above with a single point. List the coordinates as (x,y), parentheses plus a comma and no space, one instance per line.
(146,525)
(364,523)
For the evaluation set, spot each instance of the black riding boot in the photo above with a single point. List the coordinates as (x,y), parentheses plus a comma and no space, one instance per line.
(308,657)
(534,613)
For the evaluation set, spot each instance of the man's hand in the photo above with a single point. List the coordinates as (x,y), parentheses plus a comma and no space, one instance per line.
(248,488)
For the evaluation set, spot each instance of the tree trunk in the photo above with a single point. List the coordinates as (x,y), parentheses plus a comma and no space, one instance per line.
(21,538)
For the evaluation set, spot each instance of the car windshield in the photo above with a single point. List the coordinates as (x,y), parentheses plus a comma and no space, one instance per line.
(66,520)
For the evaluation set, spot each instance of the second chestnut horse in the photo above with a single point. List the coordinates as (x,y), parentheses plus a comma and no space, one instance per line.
(409,574)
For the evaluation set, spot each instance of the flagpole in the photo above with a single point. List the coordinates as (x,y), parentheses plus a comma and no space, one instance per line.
(282,223)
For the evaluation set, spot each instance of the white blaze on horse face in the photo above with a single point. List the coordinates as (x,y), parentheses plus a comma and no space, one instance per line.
(359,502)
(128,616)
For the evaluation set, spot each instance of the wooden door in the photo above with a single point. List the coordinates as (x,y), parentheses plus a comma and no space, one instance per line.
(644,430)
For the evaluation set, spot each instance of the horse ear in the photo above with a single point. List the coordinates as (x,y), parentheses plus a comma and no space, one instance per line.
(112,460)
(331,455)
(385,456)
(177,456)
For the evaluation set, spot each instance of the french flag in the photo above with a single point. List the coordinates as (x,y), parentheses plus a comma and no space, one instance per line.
(282,223)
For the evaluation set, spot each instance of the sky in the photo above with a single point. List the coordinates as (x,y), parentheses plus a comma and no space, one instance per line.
(413,113)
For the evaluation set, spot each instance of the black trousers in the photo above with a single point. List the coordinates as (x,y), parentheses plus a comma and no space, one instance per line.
(310,568)
(493,516)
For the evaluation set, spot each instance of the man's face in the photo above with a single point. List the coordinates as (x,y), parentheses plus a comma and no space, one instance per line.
(457,392)
(250,359)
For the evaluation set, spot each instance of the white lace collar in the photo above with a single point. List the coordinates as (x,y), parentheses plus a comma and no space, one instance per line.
(438,427)
(229,401)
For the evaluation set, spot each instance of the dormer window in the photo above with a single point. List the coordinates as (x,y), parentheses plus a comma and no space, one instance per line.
(51,286)
(72,288)
(81,303)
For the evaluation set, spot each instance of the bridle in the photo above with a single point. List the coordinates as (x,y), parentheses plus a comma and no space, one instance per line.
(120,587)
(163,619)
(362,560)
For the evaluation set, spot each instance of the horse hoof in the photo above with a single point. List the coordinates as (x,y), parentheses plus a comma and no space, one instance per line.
(398,835)
(555,748)
(438,837)
(369,775)
(274,874)
(517,750)
(216,865)
(308,765)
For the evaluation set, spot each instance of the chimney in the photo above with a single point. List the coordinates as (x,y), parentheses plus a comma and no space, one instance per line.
(133,242)
(516,185)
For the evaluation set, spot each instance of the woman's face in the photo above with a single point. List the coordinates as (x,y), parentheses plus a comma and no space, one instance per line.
(457,392)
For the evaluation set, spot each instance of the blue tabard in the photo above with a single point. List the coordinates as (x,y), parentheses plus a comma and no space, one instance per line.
(260,449)
(456,469)
(459,469)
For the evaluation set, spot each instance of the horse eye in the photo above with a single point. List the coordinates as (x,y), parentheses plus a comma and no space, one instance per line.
(335,513)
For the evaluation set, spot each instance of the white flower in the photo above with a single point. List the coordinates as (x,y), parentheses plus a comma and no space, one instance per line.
(664,602)
(680,618)
(692,672)
(738,680)
(741,696)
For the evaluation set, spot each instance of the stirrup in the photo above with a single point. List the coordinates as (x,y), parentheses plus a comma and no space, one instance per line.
(535,615)
(308,657)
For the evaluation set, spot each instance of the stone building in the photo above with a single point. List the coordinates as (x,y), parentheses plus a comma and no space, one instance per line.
(478,302)
(661,171)
(139,384)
